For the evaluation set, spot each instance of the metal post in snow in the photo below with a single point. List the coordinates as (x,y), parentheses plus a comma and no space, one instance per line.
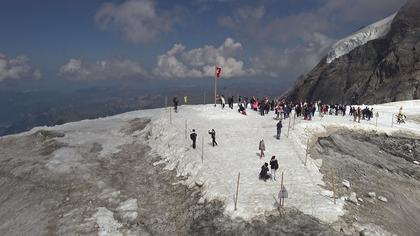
(294,121)
(170,115)
(215,88)
(307,151)
(333,186)
(281,189)
(202,149)
(186,129)
(392,122)
(237,190)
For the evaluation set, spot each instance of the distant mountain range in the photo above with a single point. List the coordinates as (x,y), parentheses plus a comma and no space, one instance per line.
(25,108)
(380,63)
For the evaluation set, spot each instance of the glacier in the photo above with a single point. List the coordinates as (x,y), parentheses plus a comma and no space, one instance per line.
(374,31)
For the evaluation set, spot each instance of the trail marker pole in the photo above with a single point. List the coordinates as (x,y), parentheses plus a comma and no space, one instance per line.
(307,151)
(281,189)
(392,124)
(202,149)
(333,186)
(237,190)
(215,87)
(186,129)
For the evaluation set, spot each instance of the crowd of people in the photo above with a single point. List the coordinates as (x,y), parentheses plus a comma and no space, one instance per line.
(283,110)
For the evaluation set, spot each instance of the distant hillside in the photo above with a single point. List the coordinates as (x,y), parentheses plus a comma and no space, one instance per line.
(380,63)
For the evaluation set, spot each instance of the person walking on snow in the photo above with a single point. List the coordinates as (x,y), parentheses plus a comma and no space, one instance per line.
(193,137)
(230,102)
(279,126)
(264,175)
(222,101)
(261,147)
(274,165)
(213,137)
(175,101)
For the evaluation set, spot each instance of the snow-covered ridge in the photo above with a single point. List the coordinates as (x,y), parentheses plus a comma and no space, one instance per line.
(215,169)
(374,31)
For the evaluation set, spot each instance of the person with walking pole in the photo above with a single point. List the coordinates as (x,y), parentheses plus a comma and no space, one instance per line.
(193,137)
(213,137)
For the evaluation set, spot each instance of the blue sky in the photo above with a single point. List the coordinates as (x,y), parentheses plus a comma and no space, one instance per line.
(125,39)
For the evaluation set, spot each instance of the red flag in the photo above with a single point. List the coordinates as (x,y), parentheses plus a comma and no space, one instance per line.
(218,72)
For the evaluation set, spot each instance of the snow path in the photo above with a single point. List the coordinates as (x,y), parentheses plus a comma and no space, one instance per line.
(238,138)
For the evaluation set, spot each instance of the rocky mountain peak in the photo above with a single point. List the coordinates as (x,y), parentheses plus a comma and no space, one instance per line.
(384,69)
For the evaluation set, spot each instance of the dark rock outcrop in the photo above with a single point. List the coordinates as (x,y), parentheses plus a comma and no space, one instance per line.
(386,69)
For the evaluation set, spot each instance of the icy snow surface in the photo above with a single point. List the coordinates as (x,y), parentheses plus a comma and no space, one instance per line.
(374,31)
(238,137)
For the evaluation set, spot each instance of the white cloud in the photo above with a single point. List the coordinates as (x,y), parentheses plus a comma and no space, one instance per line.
(138,20)
(17,68)
(200,62)
(78,69)
(291,62)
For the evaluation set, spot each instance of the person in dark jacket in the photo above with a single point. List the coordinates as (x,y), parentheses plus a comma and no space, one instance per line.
(274,165)
(213,137)
(230,102)
(264,175)
(193,137)
(175,101)
(279,126)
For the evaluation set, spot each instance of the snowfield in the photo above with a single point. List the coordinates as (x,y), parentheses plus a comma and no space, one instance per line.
(238,136)
(374,31)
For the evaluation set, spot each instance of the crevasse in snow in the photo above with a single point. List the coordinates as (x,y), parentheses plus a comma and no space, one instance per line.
(374,31)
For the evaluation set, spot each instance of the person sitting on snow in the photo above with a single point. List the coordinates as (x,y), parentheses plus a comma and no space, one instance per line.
(241,109)
(401,118)
(264,175)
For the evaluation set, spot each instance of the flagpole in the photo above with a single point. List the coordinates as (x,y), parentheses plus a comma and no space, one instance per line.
(215,84)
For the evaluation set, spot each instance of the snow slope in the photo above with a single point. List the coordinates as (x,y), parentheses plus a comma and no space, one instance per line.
(374,31)
(238,138)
